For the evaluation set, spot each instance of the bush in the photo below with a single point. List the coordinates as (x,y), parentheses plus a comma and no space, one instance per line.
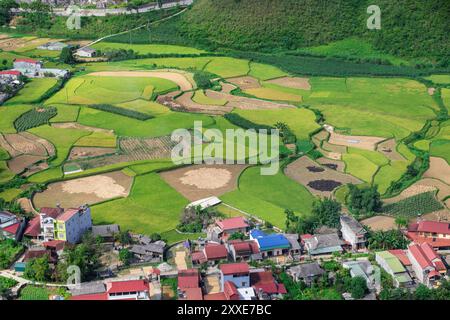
(358,287)
(237,120)
(203,79)
(121,111)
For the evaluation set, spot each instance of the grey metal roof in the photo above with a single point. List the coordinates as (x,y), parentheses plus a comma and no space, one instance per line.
(105,230)
(293,240)
(354,225)
(324,241)
(307,270)
(88,288)
(148,248)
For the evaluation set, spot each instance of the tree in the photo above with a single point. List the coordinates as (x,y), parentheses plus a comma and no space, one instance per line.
(364,200)
(237,236)
(5,11)
(124,237)
(358,287)
(387,240)
(401,222)
(66,56)
(125,256)
(423,293)
(327,212)
(296,224)
(38,269)
(38,14)
(155,236)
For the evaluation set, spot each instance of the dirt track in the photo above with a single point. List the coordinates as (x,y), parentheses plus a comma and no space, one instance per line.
(175,76)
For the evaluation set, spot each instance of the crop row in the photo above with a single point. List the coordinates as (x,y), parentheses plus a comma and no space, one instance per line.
(34,118)
(121,111)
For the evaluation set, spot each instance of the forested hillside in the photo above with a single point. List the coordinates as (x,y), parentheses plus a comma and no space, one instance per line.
(411,28)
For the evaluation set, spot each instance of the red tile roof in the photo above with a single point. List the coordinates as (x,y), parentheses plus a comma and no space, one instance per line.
(264,281)
(52,212)
(433,227)
(235,268)
(425,255)
(232,223)
(193,294)
(215,296)
(32,254)
(11,72)
(230,291)
(189,278)
(419,256)
(94,296)
(435,243)
(215,251)
(401,255)
(12,229)
(56,244)
(127,286)
(27,60)
(198,256)
(34,227)
(69,213)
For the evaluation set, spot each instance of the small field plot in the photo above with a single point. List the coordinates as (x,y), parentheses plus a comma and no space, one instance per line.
(440,78)
(124,126)
(300,120)
(152,206)
(226,67)
(33,91)
(265,71)
(202,181)
(62,139)
(439,169)
(98,139)
(273,94)
(201,98)
(147,48)
(34,293)
(267,196)
(8,114)
(109,89)
(292,82)
(5,173)
(445,94)
(319,180)
(414,206)
(66,113)
(144,106)
(89,190)
(395,107)
(380,223)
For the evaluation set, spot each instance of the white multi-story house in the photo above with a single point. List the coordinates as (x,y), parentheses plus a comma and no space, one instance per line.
(427,265)
(238,273)
(35,69)
(72,224)
(353,232)
(48,218)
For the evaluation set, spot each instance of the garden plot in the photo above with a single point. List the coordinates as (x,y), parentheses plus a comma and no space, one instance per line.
(21,163)
(21,145)
(441,215)
(292,82)
(319,180)
(332,164)
(179,77)
(361,142)
(89,190)
(202,181)
(389,149)
(380,223)
(439,169)
(245,83)
(421,186)
(185,100)
(89,152)
(76,125)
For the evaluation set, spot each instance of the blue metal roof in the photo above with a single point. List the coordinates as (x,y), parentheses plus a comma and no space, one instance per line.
(273,241)
(256,233)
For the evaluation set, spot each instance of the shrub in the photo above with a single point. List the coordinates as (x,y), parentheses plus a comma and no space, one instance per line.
(237,120)
(34,118)
(121,111)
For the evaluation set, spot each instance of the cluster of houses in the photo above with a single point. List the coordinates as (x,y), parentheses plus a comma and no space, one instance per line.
(33,68)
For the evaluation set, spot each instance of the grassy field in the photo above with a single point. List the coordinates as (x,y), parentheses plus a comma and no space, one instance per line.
(51,174)
(4,155)
(124,126)
(62,139)
(301,121)
(273,94)
(201,98)
(144,106)
(439,78)
(34,293)
(10,113)
(98,139)
(33,91)
(371,106)
(268,196)
(109,90)
(264,71)
(228,67)
(147,48)
(5,173)
(445,94)
(152,206)
(66,113)
(10,194)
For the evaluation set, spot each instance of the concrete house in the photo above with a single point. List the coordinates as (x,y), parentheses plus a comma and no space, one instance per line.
(10,74)
(35,69)
(72,224)
(353,232)
(152,252)
(271,245)
(230,226)
(323,244)
(306,272)
(392,265)
(86,52)
(427,265)
(243,250)
(435,233)
(238,273)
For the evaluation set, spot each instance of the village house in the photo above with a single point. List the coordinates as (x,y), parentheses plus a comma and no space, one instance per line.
(243,250)
(392,265)
(53,46)
(189,284)
(306,272)
(353,232)
(152,252)
(362,268)
(295,250)
(230,292)
(322,244)
(86,52)
(238,273)
(215,252)
(72,224)
(271,245)
(117,290)
(106,232)
(265,286)
(435,233)
(35,69)
(7,219)
(427,265)
(47,218)
(230,226)
(10,74)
